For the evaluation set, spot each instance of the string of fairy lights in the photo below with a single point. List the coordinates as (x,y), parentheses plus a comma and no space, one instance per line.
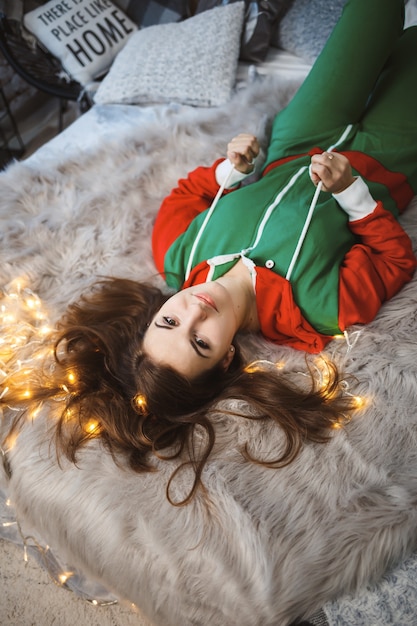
(25,333)
(25,343)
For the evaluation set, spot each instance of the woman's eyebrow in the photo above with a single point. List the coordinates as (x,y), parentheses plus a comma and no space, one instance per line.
(193,345)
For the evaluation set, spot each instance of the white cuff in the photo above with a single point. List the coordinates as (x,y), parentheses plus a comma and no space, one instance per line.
(222,172)
(356,200)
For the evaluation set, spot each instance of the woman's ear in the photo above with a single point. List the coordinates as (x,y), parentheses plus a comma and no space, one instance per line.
(228,358)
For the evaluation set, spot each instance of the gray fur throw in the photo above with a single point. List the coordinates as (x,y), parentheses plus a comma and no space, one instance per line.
(273,545)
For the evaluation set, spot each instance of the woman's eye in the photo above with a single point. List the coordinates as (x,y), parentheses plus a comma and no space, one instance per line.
(169,320)
(201,343)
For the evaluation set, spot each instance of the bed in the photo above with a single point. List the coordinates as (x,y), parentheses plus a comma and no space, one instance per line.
(331,538)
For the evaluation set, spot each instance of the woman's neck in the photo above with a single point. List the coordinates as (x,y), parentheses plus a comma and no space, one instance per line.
(238,281)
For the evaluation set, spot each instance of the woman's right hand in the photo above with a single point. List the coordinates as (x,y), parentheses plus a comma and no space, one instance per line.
(333,170)
(241,152)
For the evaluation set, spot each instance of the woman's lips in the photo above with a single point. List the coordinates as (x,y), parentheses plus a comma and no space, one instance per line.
(207,300)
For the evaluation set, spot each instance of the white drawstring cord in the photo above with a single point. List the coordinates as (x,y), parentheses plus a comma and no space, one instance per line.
(305,227)
(304,231)
(313,206)
(206,219)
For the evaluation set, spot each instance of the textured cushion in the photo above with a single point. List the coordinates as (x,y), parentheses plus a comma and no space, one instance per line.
(306,27)
(84,37)
(260,19)
(192,62)
(151,12)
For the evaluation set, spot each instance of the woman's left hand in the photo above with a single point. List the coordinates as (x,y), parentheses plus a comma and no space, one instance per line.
(333,170)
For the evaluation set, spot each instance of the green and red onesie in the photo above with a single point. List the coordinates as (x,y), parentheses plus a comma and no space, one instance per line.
(359,99)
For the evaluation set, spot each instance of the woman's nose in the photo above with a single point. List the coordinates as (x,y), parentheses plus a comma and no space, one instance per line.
(198,310)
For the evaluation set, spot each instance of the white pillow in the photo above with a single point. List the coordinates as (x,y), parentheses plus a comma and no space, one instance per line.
(191,62)
(84,36)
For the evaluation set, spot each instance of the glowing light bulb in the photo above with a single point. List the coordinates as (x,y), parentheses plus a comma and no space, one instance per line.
(68,414)
(35,412)
(261,364)
(64,577)
(359,402)
(140,402)
(31,303)
(45,330)
(252,367)
(324,370)
(92,426)
(10,441)
(16,285)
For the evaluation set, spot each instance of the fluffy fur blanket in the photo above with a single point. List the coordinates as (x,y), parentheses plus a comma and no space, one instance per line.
(274,545)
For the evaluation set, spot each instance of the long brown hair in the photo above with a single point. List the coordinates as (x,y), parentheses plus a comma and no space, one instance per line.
(113,390)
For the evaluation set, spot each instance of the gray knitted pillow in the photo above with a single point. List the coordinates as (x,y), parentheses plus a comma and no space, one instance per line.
(191,62)
(306,26)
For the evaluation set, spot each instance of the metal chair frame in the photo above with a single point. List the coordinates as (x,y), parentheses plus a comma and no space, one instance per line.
(33,63)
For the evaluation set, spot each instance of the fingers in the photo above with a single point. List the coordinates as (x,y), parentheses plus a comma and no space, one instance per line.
(242,150)
(321,168)
(333,170)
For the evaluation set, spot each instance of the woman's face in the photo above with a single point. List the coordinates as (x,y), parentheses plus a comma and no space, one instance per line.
(193,331)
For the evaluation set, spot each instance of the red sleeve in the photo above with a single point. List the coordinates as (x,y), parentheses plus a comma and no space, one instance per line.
(193,195)
(374,269)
